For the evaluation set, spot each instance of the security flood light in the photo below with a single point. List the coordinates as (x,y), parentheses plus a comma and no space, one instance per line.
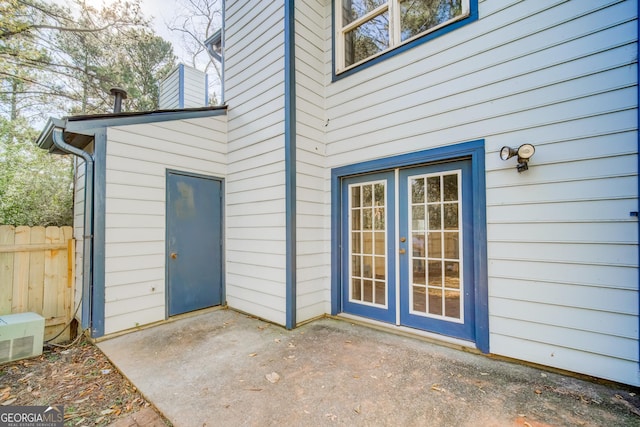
(524,153)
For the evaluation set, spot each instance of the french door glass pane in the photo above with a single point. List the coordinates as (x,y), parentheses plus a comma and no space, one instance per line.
(435,230)
(380,243)
(368,243)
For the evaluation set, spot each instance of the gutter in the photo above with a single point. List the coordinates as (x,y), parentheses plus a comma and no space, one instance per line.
(87,246)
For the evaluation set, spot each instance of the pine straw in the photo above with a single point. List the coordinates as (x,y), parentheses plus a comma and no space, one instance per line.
(78,376)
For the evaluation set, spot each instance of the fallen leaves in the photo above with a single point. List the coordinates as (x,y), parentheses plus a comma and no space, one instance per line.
(6,398)
(80,377)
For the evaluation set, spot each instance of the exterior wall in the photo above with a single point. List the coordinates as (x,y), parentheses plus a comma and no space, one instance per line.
(562,248)
(169,97)
(137,159)
(255,186)
(195,88)
(184,87)
(313,296)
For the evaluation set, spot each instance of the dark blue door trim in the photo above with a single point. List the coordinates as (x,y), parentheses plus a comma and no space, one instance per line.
(473,150)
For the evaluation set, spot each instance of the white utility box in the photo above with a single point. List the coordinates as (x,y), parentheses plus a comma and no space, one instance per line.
(21,336)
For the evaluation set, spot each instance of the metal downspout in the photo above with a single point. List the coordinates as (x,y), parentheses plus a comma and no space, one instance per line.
(87,245)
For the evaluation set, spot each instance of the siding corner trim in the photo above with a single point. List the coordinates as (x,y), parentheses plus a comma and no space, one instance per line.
(290,162)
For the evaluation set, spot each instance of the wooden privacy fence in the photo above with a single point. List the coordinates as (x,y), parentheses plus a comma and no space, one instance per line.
(36,274)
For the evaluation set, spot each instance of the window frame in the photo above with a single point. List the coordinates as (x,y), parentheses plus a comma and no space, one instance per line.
(396,45)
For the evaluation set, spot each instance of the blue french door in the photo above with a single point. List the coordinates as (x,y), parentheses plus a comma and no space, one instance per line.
(368,237)
(436,249)
(407,250)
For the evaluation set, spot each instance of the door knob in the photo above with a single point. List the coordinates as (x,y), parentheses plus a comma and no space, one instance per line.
(402,251)
(174,255)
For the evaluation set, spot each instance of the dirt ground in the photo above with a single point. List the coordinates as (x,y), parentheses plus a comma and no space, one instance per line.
(79,377)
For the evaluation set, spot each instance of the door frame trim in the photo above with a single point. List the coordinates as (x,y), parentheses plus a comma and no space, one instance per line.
(223,262)
(474,150)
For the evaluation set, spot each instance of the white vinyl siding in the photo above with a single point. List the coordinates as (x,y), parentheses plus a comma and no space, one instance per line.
(137,159)
(313,297)
(169,96)
(192,89)
(255,186)
(195,88)
(562,247)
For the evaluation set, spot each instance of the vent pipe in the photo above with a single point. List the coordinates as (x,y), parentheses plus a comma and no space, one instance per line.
(119,95)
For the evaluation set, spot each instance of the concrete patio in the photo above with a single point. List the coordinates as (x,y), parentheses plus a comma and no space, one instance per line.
(224,368)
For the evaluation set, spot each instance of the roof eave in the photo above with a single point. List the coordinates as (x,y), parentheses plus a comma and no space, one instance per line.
(45,139)
(82,128)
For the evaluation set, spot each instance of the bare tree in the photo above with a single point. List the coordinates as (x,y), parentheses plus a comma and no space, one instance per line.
(196,21)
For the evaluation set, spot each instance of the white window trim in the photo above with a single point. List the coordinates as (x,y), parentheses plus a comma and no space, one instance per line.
(394,30)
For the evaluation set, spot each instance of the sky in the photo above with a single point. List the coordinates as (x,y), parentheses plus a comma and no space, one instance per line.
(162,12)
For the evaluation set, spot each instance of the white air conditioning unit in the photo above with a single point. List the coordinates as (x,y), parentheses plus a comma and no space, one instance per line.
(21,336)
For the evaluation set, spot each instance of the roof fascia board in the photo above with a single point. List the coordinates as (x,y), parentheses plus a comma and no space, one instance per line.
(44,140)
(84,125)
(89,125)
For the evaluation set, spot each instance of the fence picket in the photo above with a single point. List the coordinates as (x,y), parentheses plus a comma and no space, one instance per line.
(36,274)
(21,272)
(36,271)
(51,271)
(7,237)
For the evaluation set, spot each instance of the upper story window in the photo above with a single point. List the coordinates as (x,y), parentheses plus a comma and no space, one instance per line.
(366,29)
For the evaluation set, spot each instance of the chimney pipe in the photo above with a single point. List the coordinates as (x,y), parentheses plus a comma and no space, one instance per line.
(119,95)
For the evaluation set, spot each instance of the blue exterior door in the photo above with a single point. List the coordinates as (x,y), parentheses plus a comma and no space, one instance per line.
(436,246)
(407,248)
(194,242)
(368,237)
